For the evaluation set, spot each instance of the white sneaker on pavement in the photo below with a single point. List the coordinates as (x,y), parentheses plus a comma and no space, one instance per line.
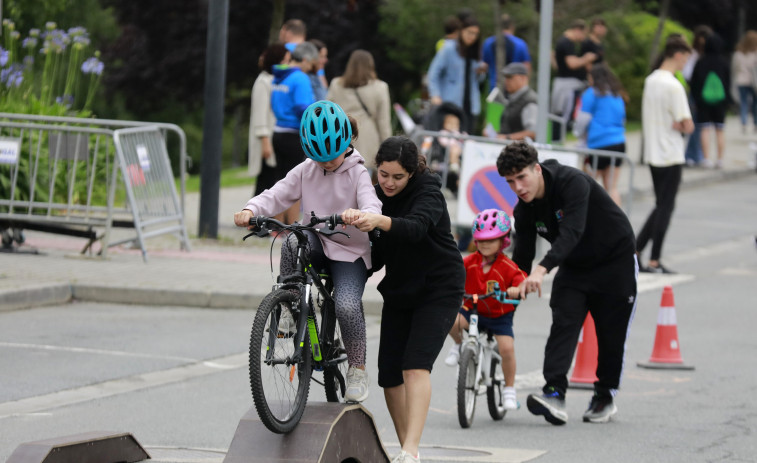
(405,457)
(453,356)
(509,399)
(357,385)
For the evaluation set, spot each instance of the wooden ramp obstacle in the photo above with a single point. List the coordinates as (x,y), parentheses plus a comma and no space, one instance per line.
(327,433)
(90,447)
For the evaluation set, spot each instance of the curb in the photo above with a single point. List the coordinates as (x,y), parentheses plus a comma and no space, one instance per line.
(33,296)
(62,293)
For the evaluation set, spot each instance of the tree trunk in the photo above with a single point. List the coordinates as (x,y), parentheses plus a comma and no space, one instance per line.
(277,19)
(657,35)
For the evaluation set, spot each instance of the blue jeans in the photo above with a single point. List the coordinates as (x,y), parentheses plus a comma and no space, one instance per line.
(694,147)
(747,98)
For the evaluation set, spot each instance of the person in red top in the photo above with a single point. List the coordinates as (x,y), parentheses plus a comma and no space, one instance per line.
(489,265)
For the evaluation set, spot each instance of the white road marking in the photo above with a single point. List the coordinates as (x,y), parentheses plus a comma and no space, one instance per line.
(120,386)
(87,350)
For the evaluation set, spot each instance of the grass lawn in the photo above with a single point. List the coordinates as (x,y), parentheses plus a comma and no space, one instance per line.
(230,177)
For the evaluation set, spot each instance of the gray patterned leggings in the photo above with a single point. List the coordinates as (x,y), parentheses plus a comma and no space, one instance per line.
(349,282)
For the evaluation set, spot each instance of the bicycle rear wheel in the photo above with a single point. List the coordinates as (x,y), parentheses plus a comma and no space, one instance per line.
(279,388)
(467,387)
(494,392)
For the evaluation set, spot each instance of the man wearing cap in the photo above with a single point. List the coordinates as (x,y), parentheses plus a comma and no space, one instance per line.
(519,118)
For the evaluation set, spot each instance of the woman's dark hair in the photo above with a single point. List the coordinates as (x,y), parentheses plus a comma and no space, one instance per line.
(273,55)
(701,33)
(515,157)
(474,50)
(605,82)
(404,151)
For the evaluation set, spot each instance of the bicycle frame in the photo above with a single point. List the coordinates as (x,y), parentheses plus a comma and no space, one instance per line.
(301,281)
(483,343)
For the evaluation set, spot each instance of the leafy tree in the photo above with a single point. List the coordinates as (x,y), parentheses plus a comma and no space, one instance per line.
(90,14)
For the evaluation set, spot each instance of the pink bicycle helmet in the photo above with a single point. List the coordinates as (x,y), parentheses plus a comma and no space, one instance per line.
(491,224)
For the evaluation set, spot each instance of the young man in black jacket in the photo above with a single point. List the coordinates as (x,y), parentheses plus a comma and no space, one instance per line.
(593,245)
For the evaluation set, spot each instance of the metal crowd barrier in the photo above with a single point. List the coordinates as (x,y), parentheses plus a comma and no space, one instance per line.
(420,136)
(83,177)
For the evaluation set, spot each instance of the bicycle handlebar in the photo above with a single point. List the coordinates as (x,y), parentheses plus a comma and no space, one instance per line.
(497,294)
(262,224)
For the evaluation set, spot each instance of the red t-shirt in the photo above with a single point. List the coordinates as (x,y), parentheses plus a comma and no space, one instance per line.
(503,271)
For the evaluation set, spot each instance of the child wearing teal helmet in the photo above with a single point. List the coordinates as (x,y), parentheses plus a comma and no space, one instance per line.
(332,180)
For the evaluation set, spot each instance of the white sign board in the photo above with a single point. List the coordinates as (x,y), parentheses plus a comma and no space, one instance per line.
(144,158)
(481,187)
(10,150)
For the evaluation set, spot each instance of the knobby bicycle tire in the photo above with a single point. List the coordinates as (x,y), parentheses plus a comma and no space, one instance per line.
(467,387)
(494,397)
(279,391)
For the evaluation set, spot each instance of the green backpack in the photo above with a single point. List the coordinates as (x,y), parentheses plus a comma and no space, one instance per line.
(713,91)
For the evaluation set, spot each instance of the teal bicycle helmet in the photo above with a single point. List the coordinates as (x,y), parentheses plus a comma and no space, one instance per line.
(325,131)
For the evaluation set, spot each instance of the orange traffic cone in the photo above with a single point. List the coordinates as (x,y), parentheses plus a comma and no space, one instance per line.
(585,369)
(666,353)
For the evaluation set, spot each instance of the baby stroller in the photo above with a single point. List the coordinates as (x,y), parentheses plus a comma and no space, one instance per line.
(443,151)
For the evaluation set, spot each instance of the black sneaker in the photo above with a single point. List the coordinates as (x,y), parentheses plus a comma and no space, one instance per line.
(550,404)
(600,410)
(659,269)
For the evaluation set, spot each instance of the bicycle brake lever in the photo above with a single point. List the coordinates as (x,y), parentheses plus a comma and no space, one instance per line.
(327,232)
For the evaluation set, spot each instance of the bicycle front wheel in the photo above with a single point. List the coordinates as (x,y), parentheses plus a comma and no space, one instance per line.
(467,387)
(494,392)
(279,387)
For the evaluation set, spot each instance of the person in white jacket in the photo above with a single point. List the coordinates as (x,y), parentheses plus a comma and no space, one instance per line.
(261,160)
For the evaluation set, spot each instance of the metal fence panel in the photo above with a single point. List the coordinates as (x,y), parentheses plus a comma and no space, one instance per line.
(149,183)
(63,175)
(437,150)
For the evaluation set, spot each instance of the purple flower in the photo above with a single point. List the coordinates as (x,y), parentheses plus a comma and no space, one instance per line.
(3,57)
(29,42)
(92,66)
(65,100)
(28,61)
(12,76)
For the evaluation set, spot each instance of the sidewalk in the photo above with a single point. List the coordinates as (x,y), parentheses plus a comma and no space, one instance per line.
(227,273)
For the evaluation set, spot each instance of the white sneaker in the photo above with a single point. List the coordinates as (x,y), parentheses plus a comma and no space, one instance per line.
(405,457)
(357,385)
(287,327)
(509,399)
(453,356)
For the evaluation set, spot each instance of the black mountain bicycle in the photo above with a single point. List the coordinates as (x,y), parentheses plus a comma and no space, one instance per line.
(286,344)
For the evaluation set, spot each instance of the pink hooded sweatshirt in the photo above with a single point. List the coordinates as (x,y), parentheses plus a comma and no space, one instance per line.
(326,193)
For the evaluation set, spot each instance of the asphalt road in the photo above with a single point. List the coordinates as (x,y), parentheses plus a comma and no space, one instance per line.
(176,377)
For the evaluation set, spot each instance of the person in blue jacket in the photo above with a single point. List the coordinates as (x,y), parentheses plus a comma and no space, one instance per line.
(602,122)
(516,50)
(291,94)
(456,72)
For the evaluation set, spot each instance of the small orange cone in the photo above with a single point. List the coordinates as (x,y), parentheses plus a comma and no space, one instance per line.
(666,353)
(585,369)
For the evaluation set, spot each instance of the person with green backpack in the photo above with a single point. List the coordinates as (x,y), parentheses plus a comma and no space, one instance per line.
(710,82)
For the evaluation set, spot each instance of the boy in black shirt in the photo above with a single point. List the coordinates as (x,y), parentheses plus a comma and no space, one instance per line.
(593,244)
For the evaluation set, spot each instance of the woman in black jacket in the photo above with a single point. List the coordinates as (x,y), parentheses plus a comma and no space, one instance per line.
(423,286)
